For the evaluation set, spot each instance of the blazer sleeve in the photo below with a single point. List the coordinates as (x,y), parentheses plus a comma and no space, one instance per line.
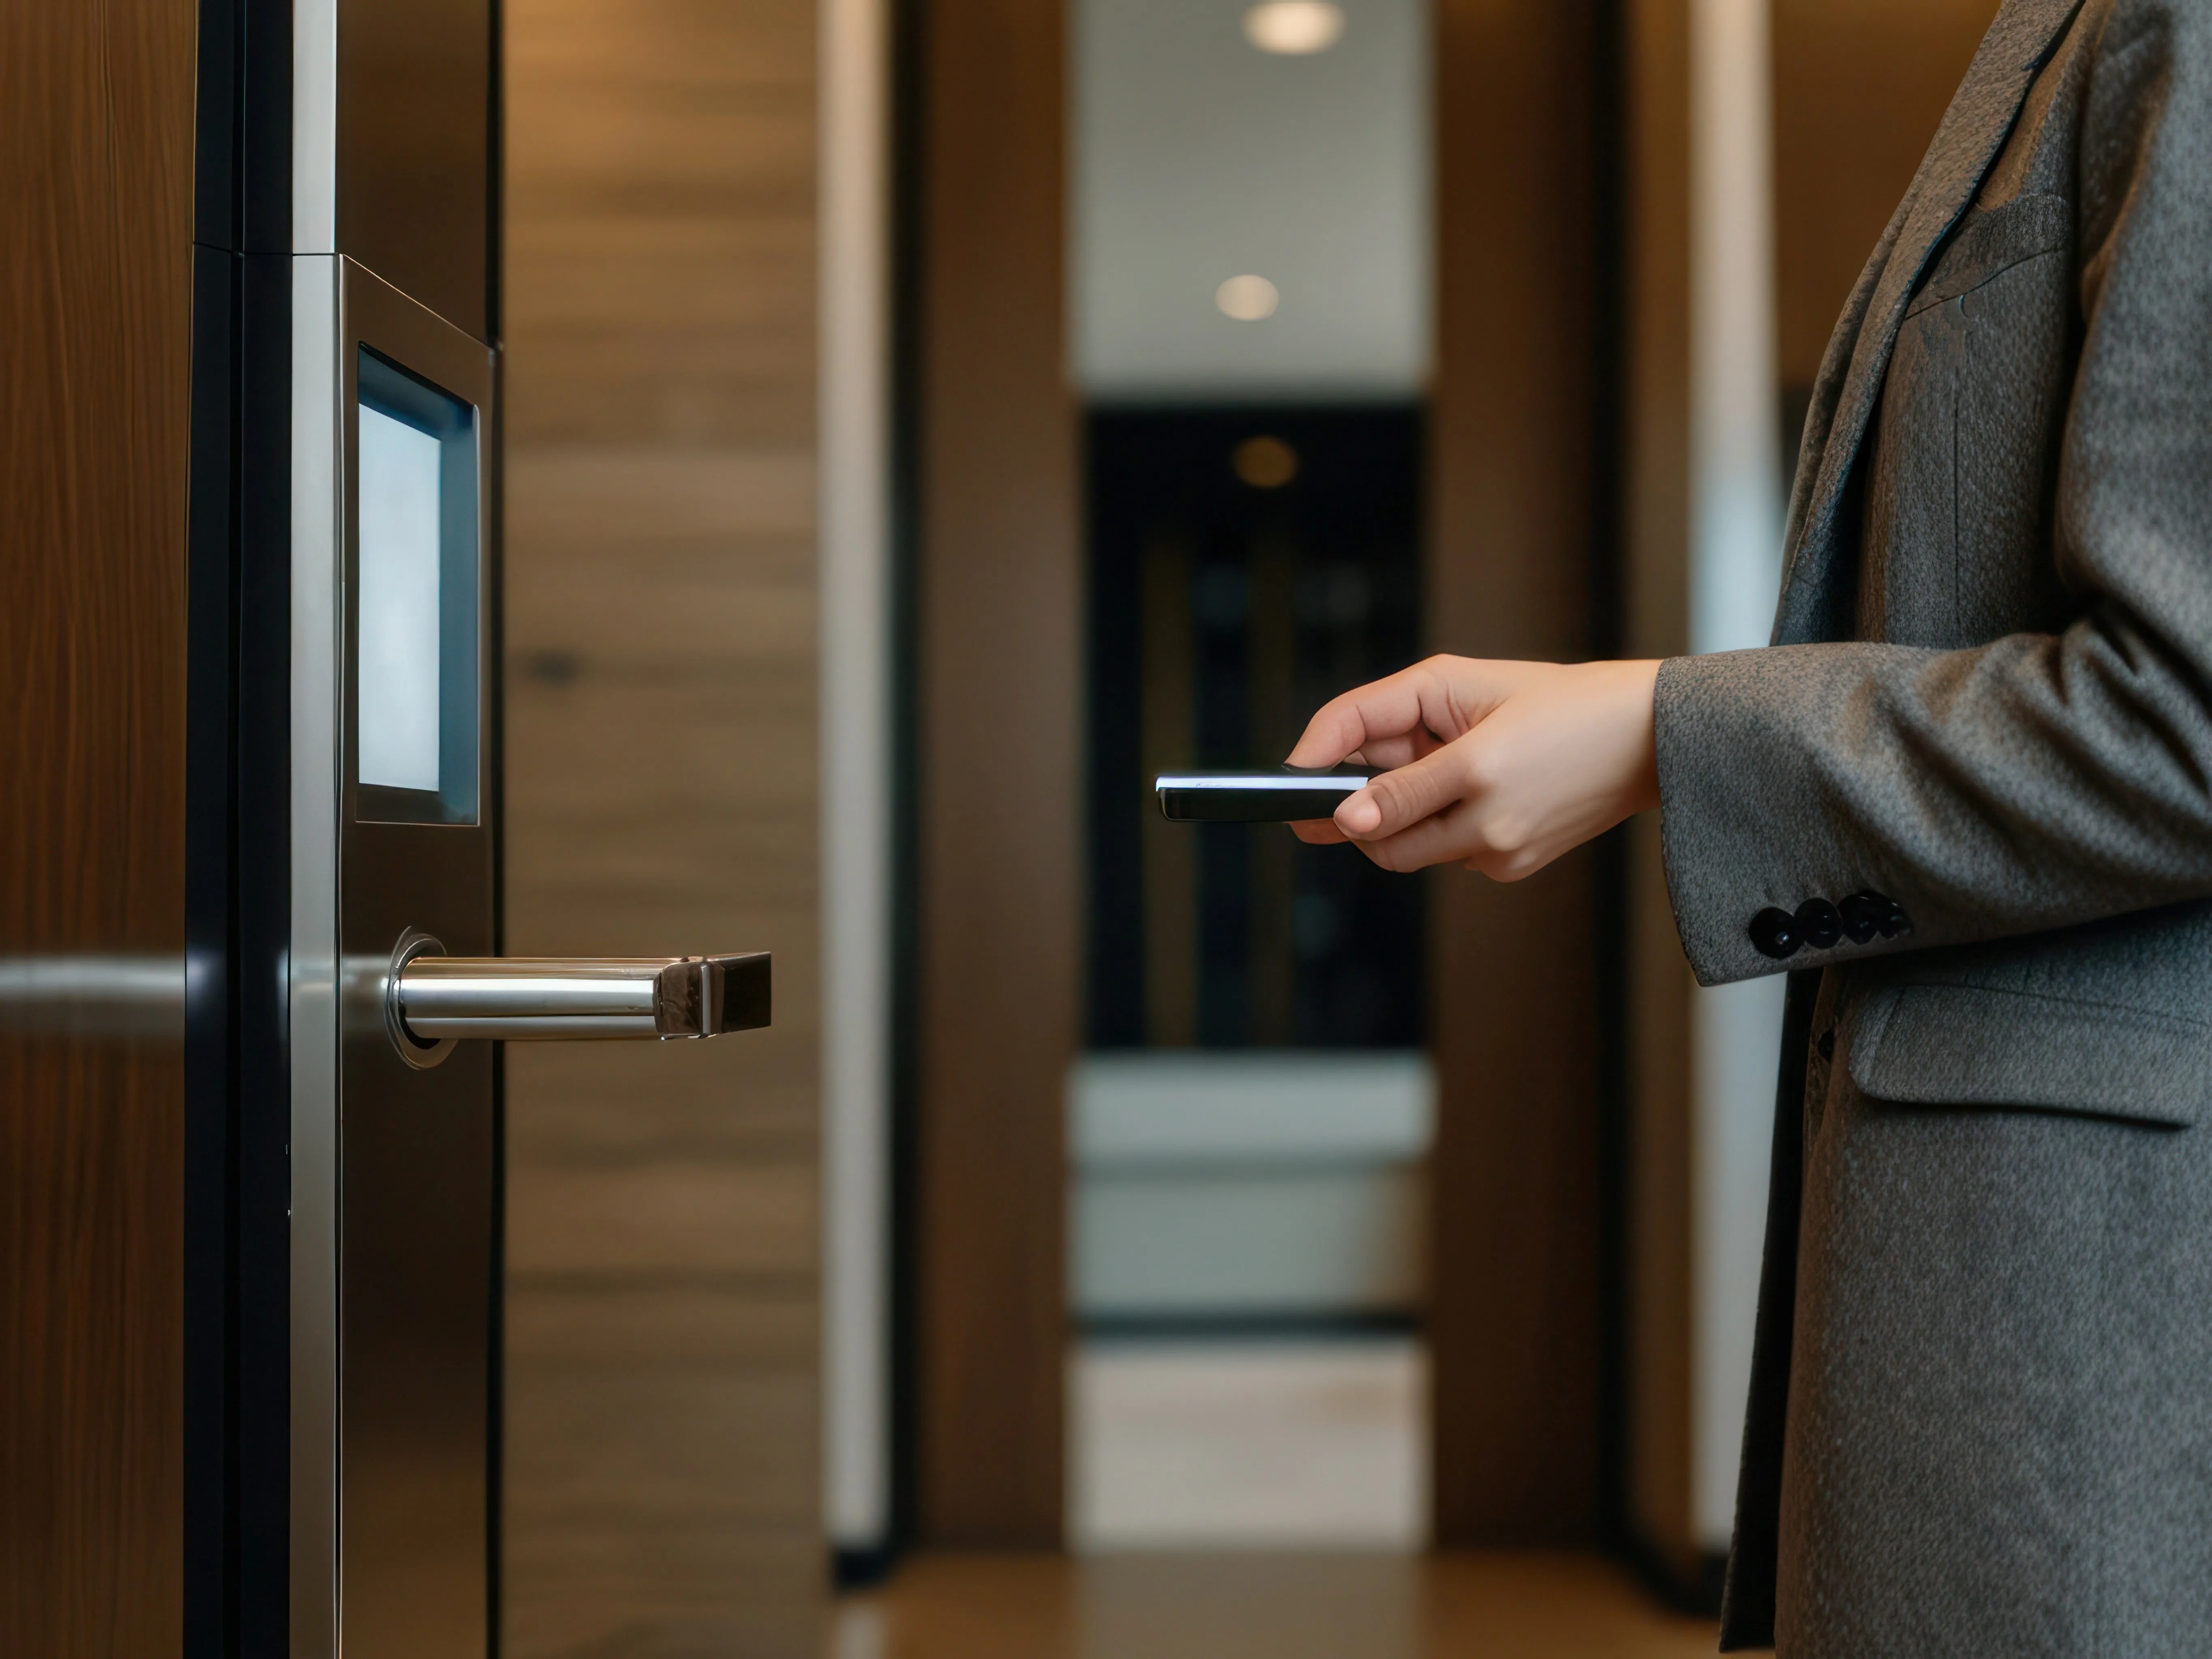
(2041,779)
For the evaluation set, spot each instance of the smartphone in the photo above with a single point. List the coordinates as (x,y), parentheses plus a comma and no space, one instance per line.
(1281,794)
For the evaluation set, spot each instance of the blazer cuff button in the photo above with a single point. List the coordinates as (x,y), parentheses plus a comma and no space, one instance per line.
(1774,933)
(1818,923)
(1862,915)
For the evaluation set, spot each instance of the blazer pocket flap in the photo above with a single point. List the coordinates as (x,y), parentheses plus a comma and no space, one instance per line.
(1972,1045)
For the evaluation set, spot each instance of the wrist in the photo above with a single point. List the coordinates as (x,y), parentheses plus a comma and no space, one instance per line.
(1639,692)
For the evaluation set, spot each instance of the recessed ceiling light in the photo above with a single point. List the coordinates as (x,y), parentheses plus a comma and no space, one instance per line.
(1295,27)
(1265,463)
(1248,298)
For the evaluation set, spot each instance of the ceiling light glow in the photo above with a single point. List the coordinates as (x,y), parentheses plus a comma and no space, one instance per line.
(1264,462)
(1246,298)
(1297,28)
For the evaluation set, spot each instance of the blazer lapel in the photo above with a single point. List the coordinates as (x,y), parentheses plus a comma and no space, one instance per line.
(1974,130)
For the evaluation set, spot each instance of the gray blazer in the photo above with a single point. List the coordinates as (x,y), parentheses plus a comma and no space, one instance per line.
(1971,783)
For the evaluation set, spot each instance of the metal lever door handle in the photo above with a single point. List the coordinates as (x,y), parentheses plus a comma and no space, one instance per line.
(433,999)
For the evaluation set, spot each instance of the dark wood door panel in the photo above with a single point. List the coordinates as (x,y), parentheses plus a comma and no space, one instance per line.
(998,602)
(1516,482)
(96,144)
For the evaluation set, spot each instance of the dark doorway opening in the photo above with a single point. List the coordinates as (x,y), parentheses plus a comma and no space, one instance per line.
(1246,564)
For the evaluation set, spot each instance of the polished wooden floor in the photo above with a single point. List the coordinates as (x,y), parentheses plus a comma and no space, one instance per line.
(1287,1606)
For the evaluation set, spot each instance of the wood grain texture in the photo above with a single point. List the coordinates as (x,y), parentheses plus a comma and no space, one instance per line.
(1514,1318)
(998,600)
(661,1465)
(1265,1605)
(96,150)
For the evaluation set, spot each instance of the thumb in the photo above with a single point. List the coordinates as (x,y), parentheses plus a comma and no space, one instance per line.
(1404,797)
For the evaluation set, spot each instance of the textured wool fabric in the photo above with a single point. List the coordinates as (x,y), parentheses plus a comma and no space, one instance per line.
(2012,730)
(2000,1401)
(1982,1396)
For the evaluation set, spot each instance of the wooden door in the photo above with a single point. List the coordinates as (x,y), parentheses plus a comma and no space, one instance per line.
(95,241)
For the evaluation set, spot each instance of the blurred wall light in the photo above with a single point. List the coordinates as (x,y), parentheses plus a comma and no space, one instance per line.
(1294,27)
(1265,463)
(1248,298)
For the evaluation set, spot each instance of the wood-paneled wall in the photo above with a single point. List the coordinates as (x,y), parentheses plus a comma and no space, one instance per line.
(95,355)
(1515,488)
(662,1493)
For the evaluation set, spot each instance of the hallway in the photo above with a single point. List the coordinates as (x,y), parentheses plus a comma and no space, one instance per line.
(1285,1605)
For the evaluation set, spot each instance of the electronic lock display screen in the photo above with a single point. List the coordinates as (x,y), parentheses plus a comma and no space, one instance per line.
(416,542)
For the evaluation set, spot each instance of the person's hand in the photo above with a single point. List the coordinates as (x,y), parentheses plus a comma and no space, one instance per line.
(1500,766)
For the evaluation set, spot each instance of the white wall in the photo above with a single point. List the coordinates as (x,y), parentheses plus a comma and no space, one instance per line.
(854,587)
(1197,157)
(1253,1182)
(1735,537)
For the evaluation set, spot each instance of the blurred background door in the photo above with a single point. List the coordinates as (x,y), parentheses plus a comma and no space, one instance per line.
(1256,350)
(1249,1117)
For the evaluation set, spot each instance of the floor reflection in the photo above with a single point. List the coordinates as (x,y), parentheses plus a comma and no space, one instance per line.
(1280,1605)
(1298,1444)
